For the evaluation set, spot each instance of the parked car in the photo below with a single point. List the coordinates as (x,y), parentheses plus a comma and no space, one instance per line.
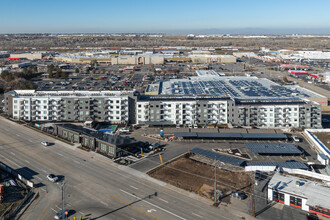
(189,126)
(45,143)
(238,195)
(52,178)
(177,126)
(60,213)
(195,126)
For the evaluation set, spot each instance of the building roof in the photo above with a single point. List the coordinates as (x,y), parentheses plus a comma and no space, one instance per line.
(233,87)
(72,93)
(241,136)
(291,165)
(102,136)
(218,157)
(317,194)
(273,148)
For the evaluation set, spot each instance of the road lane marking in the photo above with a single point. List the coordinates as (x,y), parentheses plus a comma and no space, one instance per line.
(31,141)
(14,163)
(133,187)
(18,135)
(28,154)
(132,207)
(43,189)
(27,161)
(44,171)
(60,154)
(43,213)
(54,210)
(197,215)
(38,178)
(76,161)
(163,200)
(12,153)
(82,213)
(104,203)
(156,206)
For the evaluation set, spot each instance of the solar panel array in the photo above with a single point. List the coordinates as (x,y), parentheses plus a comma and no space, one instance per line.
(218,157)
(202,87)
(291,165)
(240,87)
(273,148)
(238,136)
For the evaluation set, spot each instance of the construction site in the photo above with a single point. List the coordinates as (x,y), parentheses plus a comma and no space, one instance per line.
(195,174)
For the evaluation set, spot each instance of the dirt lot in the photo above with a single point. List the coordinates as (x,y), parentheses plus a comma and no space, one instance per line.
(324,137)
(199,178)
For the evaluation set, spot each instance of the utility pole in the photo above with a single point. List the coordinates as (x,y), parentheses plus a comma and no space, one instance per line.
(62,188)
(215,181)
(253,201)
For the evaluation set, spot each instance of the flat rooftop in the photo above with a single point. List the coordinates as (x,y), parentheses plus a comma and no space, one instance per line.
(317,194)
(233,87)
(208,73)
(71,93)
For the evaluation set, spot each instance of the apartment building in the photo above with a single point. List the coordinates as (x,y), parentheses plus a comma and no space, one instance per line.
(181,110)
(104,106)
(277,113)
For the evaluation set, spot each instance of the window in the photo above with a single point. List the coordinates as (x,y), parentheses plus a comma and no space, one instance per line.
(65,134)
(87,113)
(139,106)
(111,150)
(76,138)
(15,106)
(295,201)
(15,101)
(279,197)
(70,135)
(45,101)
(86,141)
(103,147)
(45,112)
(169,105)
(91,143)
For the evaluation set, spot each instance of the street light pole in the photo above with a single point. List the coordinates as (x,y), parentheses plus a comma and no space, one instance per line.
(62,188)
(253,199)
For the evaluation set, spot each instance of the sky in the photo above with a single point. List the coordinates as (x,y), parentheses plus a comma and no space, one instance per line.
(170,16)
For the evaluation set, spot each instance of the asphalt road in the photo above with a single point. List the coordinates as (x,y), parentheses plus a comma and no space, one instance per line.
(95,186)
